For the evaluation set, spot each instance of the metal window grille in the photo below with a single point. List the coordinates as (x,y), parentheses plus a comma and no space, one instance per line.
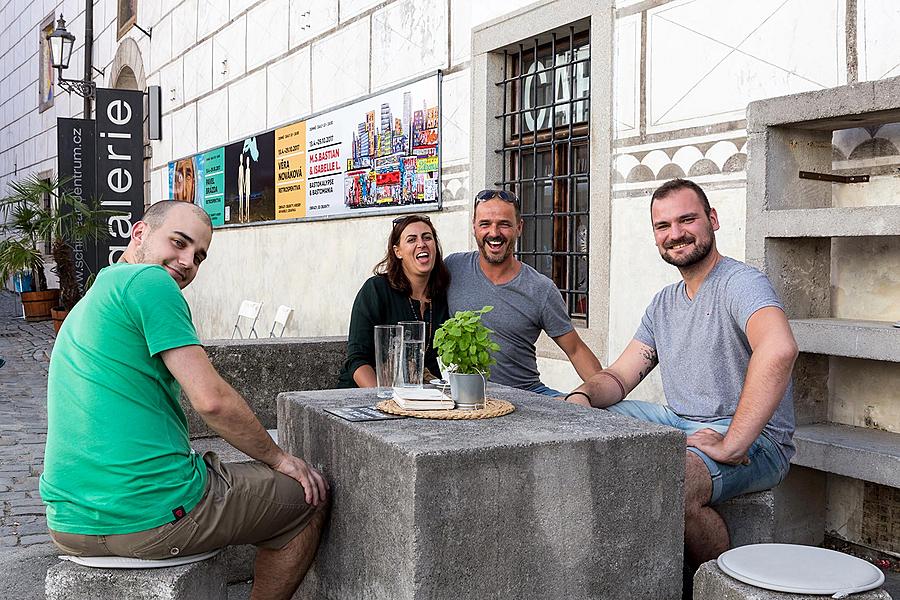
(546,147)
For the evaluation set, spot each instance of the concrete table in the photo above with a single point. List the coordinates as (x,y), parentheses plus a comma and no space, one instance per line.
(551,501)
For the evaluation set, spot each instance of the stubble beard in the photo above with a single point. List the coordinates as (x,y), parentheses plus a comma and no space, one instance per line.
(492,259)
(700,252)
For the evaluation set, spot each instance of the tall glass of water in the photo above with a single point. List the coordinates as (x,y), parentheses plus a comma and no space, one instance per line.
(413,356)
(388,351)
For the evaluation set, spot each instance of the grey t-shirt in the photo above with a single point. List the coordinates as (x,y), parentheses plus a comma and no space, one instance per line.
(524,306)
(703,348)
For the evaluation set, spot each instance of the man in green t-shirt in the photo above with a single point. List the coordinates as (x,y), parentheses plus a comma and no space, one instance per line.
(120,477)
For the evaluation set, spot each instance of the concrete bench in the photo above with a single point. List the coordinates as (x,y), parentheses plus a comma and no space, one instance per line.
(260,369)
(858,452)
(203,580)
(710,583)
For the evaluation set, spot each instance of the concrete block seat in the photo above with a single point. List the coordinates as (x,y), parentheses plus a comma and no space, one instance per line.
(203,580)
(260,369)
(711,583)
(791,513)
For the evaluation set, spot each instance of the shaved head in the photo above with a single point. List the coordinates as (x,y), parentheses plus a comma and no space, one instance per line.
(174,235)
(155,215)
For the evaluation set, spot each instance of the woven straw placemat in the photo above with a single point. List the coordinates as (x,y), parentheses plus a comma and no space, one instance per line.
(492,408)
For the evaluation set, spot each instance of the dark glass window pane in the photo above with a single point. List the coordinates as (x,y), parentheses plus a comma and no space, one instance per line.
(547,102)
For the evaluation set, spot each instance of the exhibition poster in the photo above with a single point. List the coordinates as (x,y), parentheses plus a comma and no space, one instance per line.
(376,153)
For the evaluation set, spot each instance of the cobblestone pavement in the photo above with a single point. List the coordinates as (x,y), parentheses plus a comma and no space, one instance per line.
(23,423)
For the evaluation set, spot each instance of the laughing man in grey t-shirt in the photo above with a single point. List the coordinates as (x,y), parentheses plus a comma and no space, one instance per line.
(525,302)
(725,351)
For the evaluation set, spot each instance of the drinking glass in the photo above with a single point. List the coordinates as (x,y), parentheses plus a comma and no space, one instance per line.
(413,357)
(388,351)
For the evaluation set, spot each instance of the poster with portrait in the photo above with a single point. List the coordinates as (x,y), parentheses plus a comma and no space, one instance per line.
(185,180)
(250,180)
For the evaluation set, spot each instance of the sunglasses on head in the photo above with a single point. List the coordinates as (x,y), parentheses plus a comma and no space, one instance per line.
(399,220)
(485,195)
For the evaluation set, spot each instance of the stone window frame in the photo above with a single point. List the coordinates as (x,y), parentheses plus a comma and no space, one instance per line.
(489,41)
(45,87)
(122,26)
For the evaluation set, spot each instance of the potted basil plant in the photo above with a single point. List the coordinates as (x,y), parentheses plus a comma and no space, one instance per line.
(464,344)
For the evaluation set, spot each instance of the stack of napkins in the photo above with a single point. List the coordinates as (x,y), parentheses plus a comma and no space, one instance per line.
(422,399)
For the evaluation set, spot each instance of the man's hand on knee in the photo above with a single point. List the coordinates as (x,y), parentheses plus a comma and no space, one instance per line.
(313,482)
(712,443)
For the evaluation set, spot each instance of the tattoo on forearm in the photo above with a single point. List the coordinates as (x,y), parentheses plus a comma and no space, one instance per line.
(652,359)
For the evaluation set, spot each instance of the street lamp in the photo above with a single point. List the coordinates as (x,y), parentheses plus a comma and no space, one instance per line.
(61,42)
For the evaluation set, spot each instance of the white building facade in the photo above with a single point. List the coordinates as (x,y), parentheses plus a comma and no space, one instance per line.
(640,91)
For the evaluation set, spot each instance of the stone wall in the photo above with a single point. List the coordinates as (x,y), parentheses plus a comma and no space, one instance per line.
(261,369)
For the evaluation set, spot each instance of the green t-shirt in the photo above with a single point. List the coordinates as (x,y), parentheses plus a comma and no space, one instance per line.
(118,458)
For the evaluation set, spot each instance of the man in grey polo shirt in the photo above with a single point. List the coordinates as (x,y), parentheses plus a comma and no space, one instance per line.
(725,350)
(525,302)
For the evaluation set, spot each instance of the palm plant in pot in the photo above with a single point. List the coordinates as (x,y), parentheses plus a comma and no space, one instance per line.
(464,344)
(26,221)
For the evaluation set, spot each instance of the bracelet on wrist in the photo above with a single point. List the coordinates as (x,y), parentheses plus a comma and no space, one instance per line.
(580,393)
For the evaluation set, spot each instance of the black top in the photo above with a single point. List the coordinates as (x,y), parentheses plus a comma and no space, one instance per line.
(377,303)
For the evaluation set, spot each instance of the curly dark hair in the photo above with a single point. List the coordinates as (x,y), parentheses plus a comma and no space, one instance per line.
(392,268)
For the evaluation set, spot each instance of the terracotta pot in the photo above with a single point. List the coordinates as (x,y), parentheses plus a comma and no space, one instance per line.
(37,305)
(59,315)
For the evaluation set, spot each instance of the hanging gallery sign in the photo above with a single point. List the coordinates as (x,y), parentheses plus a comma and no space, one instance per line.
(103,159)
(374,155)
(120,166)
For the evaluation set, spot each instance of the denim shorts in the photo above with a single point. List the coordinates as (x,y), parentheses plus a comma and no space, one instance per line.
(767,467)
(540,388)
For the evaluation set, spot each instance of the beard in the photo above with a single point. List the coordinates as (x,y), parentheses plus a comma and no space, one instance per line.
(701,250)
(492,258)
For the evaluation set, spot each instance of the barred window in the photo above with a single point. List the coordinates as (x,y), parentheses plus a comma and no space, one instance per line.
(546,147)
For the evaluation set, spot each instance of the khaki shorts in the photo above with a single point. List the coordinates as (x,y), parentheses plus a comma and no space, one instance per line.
(246,503)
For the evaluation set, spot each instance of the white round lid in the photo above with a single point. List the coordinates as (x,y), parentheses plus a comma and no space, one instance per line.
(800,569)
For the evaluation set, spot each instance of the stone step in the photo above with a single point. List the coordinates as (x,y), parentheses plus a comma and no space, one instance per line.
(832,222)
(204,580)
(858,452)
(710,583)
(873,340)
